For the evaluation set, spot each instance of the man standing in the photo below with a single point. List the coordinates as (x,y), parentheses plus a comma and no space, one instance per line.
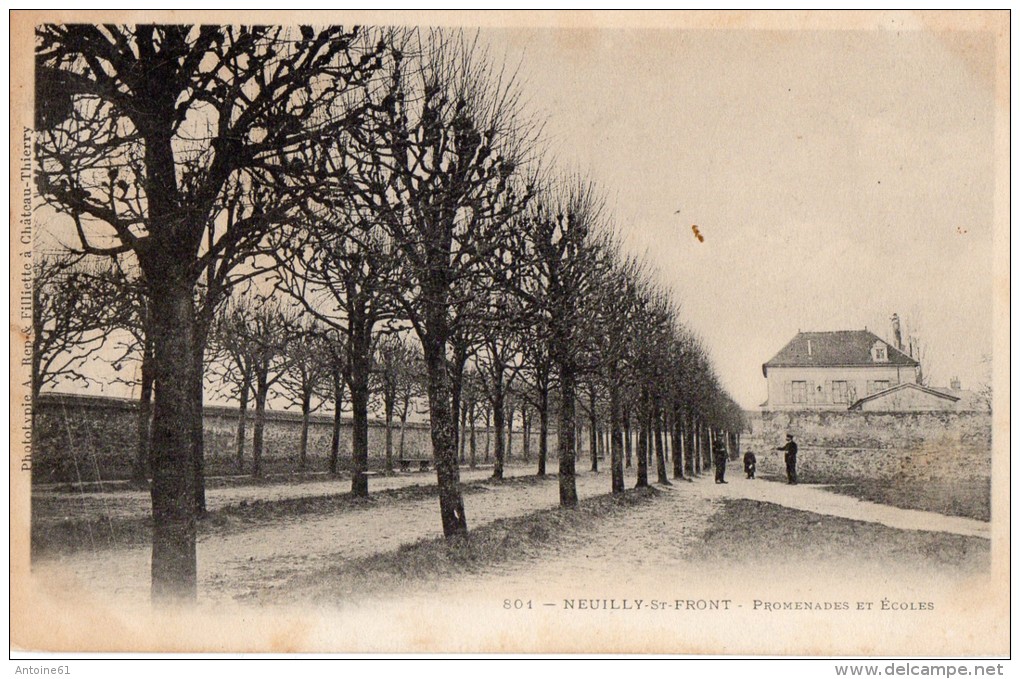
(791,459)
(719,458)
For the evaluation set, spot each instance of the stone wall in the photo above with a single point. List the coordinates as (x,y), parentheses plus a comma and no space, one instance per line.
(942,447)
(88,438)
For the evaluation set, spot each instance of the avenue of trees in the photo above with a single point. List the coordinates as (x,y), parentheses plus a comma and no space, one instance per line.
(351,220)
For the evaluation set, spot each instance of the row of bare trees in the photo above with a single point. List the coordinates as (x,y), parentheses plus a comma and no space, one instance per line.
(259,349)
(375,184)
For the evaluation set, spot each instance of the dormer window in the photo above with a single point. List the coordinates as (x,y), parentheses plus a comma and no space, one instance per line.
(879,352)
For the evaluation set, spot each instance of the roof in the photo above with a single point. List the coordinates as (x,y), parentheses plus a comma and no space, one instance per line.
(901,387)
(840,348)
(968,399)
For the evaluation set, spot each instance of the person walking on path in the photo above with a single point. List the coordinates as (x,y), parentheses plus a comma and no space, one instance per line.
(719,459)
(791,459)
(750,464)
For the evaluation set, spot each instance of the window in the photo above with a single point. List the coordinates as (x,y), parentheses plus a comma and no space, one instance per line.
(879,385)
(880,354)
(799,392)
(840,392)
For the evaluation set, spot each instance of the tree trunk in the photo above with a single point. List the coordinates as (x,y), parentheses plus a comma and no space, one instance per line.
(677,445)
(488,432)
(306,409)
(174,567)
(510,431)
(642,448)
(334,445)
(543,430)
(140,469)
(457,363)
(474,441)
(462,438)
(706,449)
(593,434)
(696,449)
(628,443)
(242,420)
(568,484)
(444,447)
(689,447)
(388,408)
(403,427)
(660,455)
(664,422)
(526,433)
(261,393)
(359,412)
(197,424)
(642,457)
(499,426)
(616,441)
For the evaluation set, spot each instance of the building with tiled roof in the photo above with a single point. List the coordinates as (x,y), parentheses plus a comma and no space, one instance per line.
(833,370)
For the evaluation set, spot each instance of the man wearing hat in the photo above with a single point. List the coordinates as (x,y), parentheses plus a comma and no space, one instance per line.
(791,459)
(719,458)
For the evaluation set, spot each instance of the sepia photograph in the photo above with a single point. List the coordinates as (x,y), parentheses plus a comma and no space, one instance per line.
(629,333)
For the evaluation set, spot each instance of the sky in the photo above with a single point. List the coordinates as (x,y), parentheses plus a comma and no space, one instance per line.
(836,177)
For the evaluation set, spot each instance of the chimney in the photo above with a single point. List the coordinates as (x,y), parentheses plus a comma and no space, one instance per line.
(809,347)
(954,384)
(897,336)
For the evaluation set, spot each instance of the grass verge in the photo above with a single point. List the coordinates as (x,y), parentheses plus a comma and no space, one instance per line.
(766,534)
(69,534)
(967,498)
(517,538)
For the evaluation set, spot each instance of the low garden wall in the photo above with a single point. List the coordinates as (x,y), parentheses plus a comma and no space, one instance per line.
(88,438)
(845,446)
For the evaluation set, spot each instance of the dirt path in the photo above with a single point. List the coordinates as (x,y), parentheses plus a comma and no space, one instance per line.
(236,564)
(703,538)
(645,543)
(817,499)
(123,504)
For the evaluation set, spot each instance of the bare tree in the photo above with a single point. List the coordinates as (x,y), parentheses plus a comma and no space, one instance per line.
(303,380)
(141,130)
(130,307)
(234,362)
(394,376)
(340,267)
(259,334)
(618,307)
(565,235)
(335,357)
(918,346)
(446,149)
(410,387)
(71,317)
(499,362)
(538,375)
(472,395)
